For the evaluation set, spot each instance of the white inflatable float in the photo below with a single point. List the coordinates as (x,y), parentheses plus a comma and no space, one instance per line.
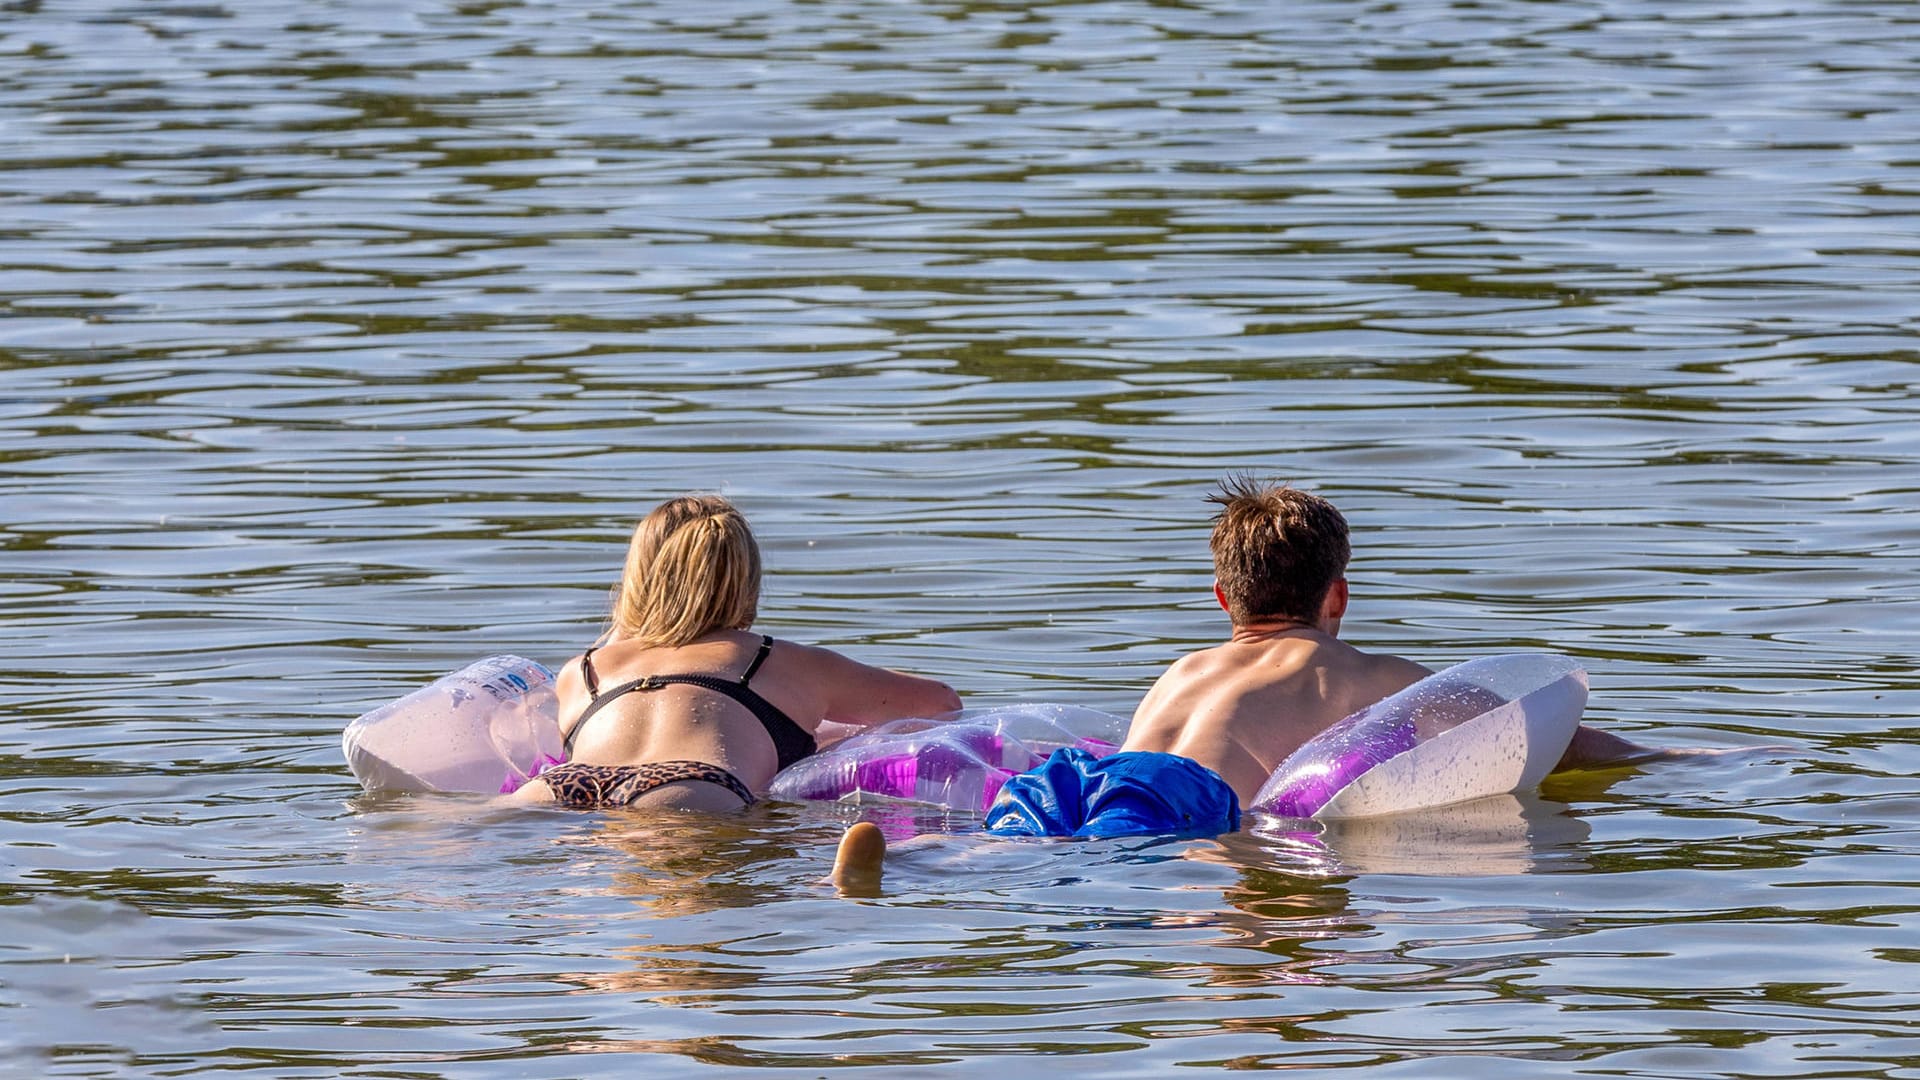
(1485,727)
(487,727)
(1480,728)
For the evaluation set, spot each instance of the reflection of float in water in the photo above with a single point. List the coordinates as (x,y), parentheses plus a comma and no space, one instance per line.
(1499,834)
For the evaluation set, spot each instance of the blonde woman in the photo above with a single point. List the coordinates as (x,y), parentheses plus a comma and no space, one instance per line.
(681,706)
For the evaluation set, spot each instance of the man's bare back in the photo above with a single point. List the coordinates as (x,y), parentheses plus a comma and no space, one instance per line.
(1242,707)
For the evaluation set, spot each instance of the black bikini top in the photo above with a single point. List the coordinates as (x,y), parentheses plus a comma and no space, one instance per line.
(790,741)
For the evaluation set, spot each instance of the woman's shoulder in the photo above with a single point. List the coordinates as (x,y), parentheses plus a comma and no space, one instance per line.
(817,657)
(570,673)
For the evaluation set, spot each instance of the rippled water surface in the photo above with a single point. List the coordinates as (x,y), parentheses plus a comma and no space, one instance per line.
(342,342)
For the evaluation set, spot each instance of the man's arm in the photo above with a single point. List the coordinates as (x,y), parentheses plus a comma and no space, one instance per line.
(1592,748)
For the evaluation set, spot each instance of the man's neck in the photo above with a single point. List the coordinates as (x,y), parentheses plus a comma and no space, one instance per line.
(1265,629)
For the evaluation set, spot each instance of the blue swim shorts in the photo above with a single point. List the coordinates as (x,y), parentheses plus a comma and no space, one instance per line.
(1136,793)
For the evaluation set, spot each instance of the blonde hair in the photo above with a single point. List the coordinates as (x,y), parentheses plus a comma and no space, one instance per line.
(692,568)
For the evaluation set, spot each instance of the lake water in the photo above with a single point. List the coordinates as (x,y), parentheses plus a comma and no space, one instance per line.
(343,342)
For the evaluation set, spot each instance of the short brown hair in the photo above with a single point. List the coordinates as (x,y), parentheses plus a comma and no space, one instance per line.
(1276,549)
(692,568)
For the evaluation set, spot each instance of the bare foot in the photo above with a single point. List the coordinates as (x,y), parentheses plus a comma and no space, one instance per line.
(856,867)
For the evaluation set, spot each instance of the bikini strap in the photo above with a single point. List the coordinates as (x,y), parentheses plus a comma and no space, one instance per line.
(766,646)
(600,701)
(791,742)
(586,669)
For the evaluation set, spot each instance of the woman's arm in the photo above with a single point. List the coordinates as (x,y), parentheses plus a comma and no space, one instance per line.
(856,693)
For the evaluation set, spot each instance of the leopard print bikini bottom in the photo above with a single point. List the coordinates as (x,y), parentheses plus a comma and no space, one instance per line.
(585,787)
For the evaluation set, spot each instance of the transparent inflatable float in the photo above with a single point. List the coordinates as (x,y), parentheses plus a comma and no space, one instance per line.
(1485,727)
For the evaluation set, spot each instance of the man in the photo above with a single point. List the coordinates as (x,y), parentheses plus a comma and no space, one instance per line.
(1279,563)
(1219,721)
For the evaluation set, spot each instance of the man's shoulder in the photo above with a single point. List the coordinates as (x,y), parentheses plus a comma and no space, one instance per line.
(1397,665)
(1195,663)
(1255,667)
(1388,673)
(1202,657)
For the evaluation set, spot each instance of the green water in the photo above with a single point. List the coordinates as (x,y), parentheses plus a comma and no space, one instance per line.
(341,343)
